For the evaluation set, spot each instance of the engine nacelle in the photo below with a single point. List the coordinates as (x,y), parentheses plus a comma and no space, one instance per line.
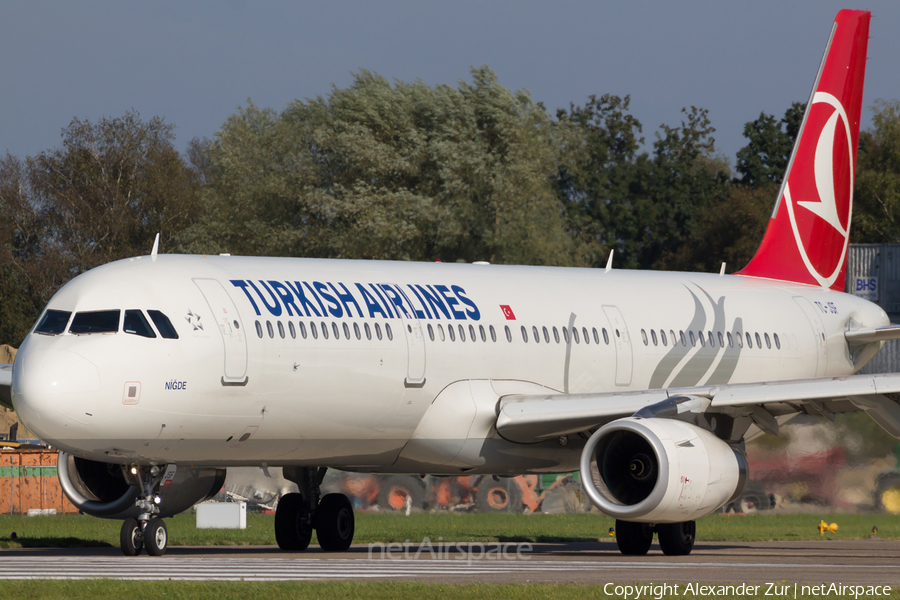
(101,490)
(660,470)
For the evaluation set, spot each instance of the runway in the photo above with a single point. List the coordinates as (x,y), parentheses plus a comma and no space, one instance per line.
(848,562)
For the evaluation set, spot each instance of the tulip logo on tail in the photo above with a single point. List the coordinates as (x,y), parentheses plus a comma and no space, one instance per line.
(823,214)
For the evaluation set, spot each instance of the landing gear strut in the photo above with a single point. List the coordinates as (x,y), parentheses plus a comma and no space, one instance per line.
(148,530)
(675,539)
(298,514)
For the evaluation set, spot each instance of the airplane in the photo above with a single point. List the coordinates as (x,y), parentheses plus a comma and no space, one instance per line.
(154,374)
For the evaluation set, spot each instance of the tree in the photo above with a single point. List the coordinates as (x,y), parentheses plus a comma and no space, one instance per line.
(764,159)
(876,211)
(401,171)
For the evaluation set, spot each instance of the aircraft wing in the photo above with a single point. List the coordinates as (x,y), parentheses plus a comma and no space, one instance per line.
(6,385)
(874,334)
(528,418)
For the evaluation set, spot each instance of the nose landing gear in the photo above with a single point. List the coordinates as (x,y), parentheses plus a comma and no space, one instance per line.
(148,530)
(298,514)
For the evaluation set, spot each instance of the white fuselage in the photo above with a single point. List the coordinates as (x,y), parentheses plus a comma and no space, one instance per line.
(243,385)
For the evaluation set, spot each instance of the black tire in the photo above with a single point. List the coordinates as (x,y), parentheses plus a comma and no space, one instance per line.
(394,491)
(498,496)
(293,529)
(156,537)
(887,492)
(335,524)
(752,500)
(633,539)
(677,539)
(130,538)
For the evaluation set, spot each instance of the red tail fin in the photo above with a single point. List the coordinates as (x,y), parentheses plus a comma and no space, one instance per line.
(807,237)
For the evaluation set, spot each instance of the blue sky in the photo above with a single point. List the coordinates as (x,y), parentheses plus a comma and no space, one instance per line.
(194,62)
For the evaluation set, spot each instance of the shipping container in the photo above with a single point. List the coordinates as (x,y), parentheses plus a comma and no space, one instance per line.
(28,481)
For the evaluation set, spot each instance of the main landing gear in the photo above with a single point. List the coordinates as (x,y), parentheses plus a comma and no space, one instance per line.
(148,530)
(298,514)
(675,539)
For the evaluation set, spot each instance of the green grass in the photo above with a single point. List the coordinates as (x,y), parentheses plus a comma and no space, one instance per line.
(137,590)
(78,530)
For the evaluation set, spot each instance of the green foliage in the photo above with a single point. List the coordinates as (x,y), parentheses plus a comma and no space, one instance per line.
(763,161)
(385,171)
(876,211)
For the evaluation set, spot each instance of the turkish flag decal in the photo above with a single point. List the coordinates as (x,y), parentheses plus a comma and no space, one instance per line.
(507,312)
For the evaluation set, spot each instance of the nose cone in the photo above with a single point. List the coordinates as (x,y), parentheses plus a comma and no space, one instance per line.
(49,387)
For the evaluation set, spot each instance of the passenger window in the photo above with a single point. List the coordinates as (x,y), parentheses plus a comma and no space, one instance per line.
(524,334)
(566,334)
(270,329)
(368,331)
(730,340)
(53,323)
(481,331)
(356,331)
(462,333)
(292,329)
(163,325)
(136,324)
(712,340)
(259,329)
(281,329)
(508,334)
(575,335)
(335,330)
(681,337)
(721,339)
(100,321)
(768,341)
(302,330)
(546,334)
(346,329)
(702,339)
(472,334)
(556,334)
(693,339)
(378,331)
(758,341)
(314,330)
(662,335)
(387,330)
(605,337)
(493,333)
(674,339)
(653,337)
(740,339)
(441,332)
(431,332)
(535,334)
(596,337)
(749,341)
(452,333)
(584,334)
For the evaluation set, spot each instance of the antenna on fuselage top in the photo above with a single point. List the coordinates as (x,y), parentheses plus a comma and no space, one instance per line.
(155,250)
(722,270)
(609,262)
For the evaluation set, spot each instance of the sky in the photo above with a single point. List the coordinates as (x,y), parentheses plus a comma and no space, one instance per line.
(194,63)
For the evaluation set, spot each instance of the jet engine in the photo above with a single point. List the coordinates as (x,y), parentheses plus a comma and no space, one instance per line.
(660,470)
(102,489)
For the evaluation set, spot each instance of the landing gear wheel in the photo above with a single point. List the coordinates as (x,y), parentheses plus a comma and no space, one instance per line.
(677,539)
(131,539)
(156,537)
(633,539)
(397,490)
(334,523)
(498,496)
(292,523)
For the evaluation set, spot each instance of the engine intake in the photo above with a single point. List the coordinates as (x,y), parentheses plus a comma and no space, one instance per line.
(660,470)
(100,489)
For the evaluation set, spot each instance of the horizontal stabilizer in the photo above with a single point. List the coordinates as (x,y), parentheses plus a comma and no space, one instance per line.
(874,334)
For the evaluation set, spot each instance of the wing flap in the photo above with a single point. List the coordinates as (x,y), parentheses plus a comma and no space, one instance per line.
(529,419)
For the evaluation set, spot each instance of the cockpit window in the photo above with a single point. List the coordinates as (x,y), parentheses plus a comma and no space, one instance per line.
(98,321)
(53,323)
(163,324)
(136,323)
